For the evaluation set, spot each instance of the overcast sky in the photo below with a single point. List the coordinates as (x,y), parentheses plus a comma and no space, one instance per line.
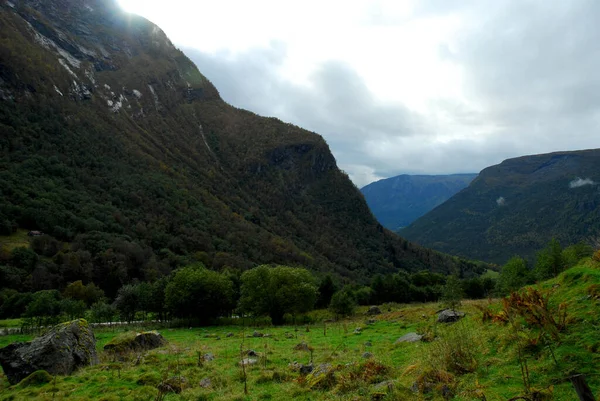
(403,86)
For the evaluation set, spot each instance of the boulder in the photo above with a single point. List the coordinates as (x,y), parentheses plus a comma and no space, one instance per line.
(60,351)
(302,347)
(374,310)
(409,338)
(306,369)
(133,342)
(257,334)
(206,383)
(248,361)
(449,316)
(208,357)
(367,355)
(230,334)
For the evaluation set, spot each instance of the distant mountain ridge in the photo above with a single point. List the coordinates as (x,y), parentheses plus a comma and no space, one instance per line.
(516,207)
(398,201)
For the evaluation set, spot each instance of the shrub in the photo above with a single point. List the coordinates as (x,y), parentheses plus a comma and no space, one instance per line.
(454,351)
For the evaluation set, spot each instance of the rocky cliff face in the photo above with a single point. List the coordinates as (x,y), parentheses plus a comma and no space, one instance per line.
(111,133)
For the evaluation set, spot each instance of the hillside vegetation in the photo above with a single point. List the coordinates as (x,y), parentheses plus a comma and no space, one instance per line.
(527,345)
(516,207)
(118,148)
(398,201)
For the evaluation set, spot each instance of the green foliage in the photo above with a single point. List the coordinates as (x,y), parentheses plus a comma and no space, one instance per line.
(343,303)
(278,290)
(23,258)
(514,275)
(102,312)
(44,307)
(87,293)
(326,290)
(550,261)
(452,292)
(196,292)
(574,253)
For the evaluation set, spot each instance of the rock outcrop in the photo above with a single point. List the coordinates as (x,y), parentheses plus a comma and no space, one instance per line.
(60,351)
(132,342)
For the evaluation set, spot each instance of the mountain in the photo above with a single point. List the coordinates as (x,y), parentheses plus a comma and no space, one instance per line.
(398,201)
(516,207)
(115,144)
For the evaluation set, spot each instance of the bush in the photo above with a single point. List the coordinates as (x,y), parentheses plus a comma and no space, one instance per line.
(343,303)
(454,351)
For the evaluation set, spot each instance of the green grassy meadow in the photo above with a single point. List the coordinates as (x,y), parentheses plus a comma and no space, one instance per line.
(483,364)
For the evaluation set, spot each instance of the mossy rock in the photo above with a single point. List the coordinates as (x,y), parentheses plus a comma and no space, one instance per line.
(132,341)
(37,378)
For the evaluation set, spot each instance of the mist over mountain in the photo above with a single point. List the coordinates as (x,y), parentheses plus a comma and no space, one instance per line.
(398,201)
(516,207)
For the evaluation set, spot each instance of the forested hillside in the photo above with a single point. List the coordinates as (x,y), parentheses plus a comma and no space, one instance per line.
(516,207)
(114,144)
(398,201)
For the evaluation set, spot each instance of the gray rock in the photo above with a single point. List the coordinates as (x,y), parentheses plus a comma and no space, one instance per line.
(257,334)
(248,361)
(306,369)
(374,310)
(209,357)
(229,334)
(60,351)
(368,344)
(251,352)
(302,347)
(409,338)
(449,316)
(371,321)
(131,342)
(205,383)
(367,355)
(357,330)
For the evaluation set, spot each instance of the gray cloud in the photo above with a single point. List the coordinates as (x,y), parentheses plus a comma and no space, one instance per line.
(529,67)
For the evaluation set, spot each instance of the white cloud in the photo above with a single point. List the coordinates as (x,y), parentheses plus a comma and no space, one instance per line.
(578,182)
(407,86)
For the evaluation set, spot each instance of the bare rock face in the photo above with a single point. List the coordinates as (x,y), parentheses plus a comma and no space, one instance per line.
(60,351)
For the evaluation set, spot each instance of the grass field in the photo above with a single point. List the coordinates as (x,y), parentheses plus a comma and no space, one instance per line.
(18,239)
(483,362)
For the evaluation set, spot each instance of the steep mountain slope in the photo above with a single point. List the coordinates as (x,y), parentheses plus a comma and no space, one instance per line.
(516,207)
(398,201)
(111,138)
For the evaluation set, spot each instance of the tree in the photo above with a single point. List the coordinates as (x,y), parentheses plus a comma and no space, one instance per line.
(452,292)
(550,262)
(89,293)
(195,291)
(44,307)
(127,302)
(275,291)
(23,258)
(343,303)
(513,276)
(326,290)
(101,312)
(573,254)
(72,309)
